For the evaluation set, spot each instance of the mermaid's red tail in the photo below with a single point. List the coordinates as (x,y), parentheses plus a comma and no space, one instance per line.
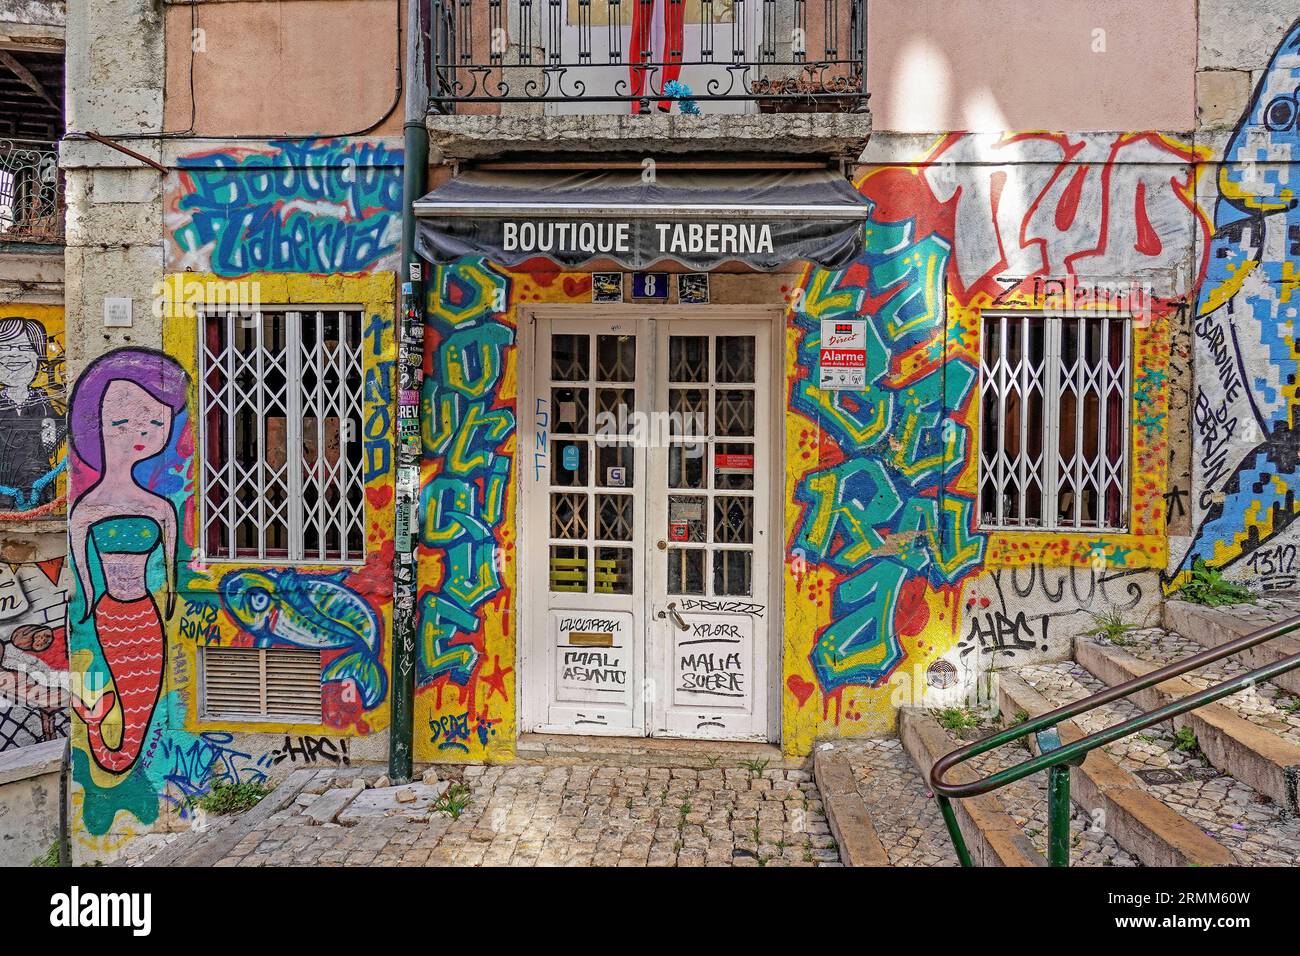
(131,638)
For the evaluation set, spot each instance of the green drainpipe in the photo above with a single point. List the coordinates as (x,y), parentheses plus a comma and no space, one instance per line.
(410,360)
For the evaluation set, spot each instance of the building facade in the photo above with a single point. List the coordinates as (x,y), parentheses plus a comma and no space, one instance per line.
(726,403)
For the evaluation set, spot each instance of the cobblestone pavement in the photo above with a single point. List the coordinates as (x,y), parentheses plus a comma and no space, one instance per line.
(1246,822)
(578,815)
(901,807)
(1265,704)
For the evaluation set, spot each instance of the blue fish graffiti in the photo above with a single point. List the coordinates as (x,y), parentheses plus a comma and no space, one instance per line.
(316,611)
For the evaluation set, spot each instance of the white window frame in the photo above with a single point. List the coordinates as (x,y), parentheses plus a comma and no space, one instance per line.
(351,358)
(1110,386)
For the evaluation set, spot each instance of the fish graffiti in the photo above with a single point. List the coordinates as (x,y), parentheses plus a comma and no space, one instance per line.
(315,611)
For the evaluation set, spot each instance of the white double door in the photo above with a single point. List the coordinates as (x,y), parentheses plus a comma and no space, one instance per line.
(647,500)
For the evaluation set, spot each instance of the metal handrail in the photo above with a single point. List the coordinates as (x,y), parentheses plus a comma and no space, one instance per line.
(1057,758)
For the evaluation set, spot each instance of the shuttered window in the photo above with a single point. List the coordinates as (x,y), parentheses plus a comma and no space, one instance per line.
(280,430)
(261,683)
(1054,422)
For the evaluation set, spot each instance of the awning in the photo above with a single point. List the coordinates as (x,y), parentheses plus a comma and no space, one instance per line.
(636,219)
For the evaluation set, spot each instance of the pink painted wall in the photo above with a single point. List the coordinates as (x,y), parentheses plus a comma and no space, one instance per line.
(307,67)
(986,65)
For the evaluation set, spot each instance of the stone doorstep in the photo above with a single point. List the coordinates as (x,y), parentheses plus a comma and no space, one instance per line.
(992,836)
(1236,746)
(1214,626)
(846,813)
(648,751)
(1153,832)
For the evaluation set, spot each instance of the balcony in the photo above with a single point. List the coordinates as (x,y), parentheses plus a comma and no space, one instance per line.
(31,194)
(659,75)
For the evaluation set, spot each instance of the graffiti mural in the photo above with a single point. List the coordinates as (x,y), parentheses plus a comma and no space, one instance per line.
(33,652)
(123,538)
(33,479)
(469,442)
(296,206)
(1246,406)
(886,568)
(146,602)
(313,611)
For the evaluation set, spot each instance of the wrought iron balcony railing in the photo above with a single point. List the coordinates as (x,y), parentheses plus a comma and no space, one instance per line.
(696,55)
(31,193)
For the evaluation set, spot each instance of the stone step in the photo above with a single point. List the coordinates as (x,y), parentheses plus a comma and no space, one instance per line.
(1025,802)
(1212,626)
(1254,735)
(1161,799)
(555,749)
(992,836)
(879,808)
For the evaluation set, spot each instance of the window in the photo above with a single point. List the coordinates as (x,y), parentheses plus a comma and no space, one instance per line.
(1054,421)
(267,683)
(280,427)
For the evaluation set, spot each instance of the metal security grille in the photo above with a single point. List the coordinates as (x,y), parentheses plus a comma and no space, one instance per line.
(1054,420)
(280,428)
(261,682)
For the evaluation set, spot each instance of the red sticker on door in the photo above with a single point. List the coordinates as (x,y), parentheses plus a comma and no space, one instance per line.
(679,531)
(733,463)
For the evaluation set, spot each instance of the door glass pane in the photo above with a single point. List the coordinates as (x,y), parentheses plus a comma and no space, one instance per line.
(733,466)
(686,571)
(732,571)
(568,463)
(733,520)
(733,412)
(686,465)
(614,517)
(734,359)
(616,358)
(614,408)
(568,515)
(688,412)
(613,571)
(570,355)
(688,358)
(614,466)
(686,518)
(568,568)
(570,405)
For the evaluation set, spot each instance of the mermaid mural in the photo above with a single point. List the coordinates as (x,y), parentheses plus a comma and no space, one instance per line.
(123,411)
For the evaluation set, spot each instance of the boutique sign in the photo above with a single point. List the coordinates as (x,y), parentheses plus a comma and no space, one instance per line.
(698,219)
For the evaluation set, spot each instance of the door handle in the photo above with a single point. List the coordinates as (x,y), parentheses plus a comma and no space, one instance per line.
(677,618)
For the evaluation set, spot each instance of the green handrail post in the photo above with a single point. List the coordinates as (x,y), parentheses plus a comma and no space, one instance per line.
(954,831)
(1058,803)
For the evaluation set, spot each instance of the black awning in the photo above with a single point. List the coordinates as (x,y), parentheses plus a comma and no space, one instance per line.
(698,218)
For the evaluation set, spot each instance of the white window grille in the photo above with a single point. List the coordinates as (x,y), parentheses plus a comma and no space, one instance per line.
(268,683)
(1054,422)
(280,431)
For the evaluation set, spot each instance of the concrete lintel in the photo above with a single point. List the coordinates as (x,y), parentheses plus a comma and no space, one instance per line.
(834,135)
(34,760)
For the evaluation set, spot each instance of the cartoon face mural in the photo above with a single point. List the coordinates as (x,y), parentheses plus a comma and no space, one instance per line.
(1246,407)
(297,206)
(124,412)
(33,652)
(32,429)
